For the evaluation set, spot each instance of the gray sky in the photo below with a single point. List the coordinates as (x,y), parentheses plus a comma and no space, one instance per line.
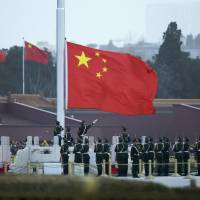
(95,21)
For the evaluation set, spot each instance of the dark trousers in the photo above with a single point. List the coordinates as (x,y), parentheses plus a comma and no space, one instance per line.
(120,164)
(179,158)
(78,158)
(124,164)
(86,161)
(106,158)
(65,158)
(99,163)
(166,163)
(135,166)
(185,160)
(146,163)
(159,158)
(198,162)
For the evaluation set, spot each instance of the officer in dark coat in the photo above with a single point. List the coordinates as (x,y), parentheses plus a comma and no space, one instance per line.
(83,129)
(178,149)
(77,151)
(119,156)
(125,136)
(68,138)
(151,152)
(106,154)
(159,155)
(124,158)
(135,159)
(65,157)
(197,155)
(57,131)
(166,148)
(86,156)
(140,148)
(145,156)
(98,149)
(186,154)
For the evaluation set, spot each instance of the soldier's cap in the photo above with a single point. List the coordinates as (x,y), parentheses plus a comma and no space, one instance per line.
(150,139)
(105,140)
(186,139)
(57,122)
(124,128)
(139,140)
(135,140)
(161,139)
(179,139)
(99,140)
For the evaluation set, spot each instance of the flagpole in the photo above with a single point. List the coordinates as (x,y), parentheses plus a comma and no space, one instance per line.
(60,46)
(23,69)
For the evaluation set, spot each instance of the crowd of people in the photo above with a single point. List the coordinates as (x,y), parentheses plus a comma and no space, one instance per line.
(147,150)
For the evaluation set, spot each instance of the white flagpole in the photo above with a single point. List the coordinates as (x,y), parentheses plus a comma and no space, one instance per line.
(23,69)
(60,46)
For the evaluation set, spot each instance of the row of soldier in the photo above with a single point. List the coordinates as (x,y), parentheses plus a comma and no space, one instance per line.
(148,150)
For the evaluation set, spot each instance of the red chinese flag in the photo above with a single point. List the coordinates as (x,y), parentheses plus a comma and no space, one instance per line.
(2,56)
(109,81)
(33,53)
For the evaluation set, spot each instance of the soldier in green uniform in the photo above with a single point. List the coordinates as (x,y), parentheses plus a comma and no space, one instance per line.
(145,156)
(178,149)
(166,148)
(119,156)
(98,149)
(68,137)
(106,154)
(151,153)
(159,155)
(186,154)
(65,157)
(77,151)
(57,131)
(197,155)
(135,159)
(86,156)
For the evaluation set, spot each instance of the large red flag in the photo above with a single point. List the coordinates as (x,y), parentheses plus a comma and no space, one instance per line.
(33,53)
(2,56)
(109,81)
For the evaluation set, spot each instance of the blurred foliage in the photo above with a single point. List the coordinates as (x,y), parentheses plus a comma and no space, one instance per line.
(178,75)
(87,188)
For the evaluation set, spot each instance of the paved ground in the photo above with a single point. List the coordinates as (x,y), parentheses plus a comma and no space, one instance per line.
(167,181)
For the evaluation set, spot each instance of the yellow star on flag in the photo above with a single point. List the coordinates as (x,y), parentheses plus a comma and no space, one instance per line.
(29,46)
(83,59)
(97,54)
(104,69)
(98,75)
(104,60)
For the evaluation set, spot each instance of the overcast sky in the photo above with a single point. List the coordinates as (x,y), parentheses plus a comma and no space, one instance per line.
(95,21)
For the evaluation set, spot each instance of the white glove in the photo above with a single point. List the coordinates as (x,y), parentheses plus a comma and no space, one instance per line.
(94,121)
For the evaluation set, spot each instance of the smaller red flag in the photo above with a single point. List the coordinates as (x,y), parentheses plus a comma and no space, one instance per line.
(33,53)
(2,56)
